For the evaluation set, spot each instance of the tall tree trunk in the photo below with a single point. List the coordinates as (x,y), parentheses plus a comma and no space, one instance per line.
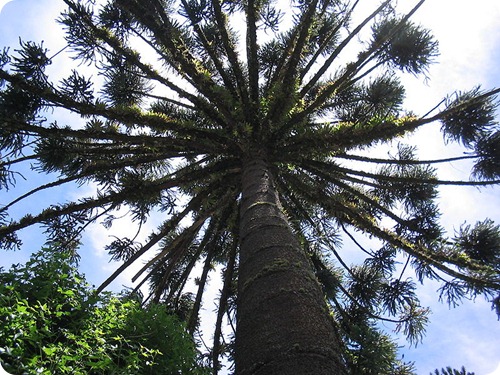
(283,324)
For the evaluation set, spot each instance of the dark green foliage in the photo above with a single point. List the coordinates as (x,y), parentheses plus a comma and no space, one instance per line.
(373,353)
(452,371)
(115,19)
(31,62)
(64,233)
(53,323)
(402,43)
(385,296)
(381,97)
(123,86)
(80,37)
(488,165)
(78,87)
(122,248)
(60,155)
(16,105)
(472,118)
(481,242)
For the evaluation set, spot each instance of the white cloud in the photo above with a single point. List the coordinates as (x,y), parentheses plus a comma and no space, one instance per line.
(3,3)
(467,36)
(463,336)
(496,371)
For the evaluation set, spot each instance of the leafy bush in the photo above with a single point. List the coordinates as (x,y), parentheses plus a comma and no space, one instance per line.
(53,323)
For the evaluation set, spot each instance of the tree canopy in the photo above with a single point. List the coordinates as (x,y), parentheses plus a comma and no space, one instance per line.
(251,140)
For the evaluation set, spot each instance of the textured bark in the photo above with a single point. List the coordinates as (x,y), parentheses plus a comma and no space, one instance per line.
(283,324)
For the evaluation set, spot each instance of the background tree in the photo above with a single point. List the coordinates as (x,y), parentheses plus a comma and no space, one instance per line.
(267,142)
(53,323)
(450,371)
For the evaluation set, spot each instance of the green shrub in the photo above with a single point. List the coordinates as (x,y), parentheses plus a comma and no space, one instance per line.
(53,323)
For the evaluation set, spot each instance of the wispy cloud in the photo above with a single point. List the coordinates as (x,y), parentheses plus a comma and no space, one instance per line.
(496,371)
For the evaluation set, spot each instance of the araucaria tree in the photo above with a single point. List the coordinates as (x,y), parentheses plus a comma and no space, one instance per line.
(250,119)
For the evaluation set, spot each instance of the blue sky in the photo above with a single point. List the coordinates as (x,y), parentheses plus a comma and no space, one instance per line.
(469,39)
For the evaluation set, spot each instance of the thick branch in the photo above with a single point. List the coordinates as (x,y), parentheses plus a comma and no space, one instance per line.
(230,50)
(320,73)
(252,50)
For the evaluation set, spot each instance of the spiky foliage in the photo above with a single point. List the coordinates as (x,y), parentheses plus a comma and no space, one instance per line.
(451,371)
(184,102)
